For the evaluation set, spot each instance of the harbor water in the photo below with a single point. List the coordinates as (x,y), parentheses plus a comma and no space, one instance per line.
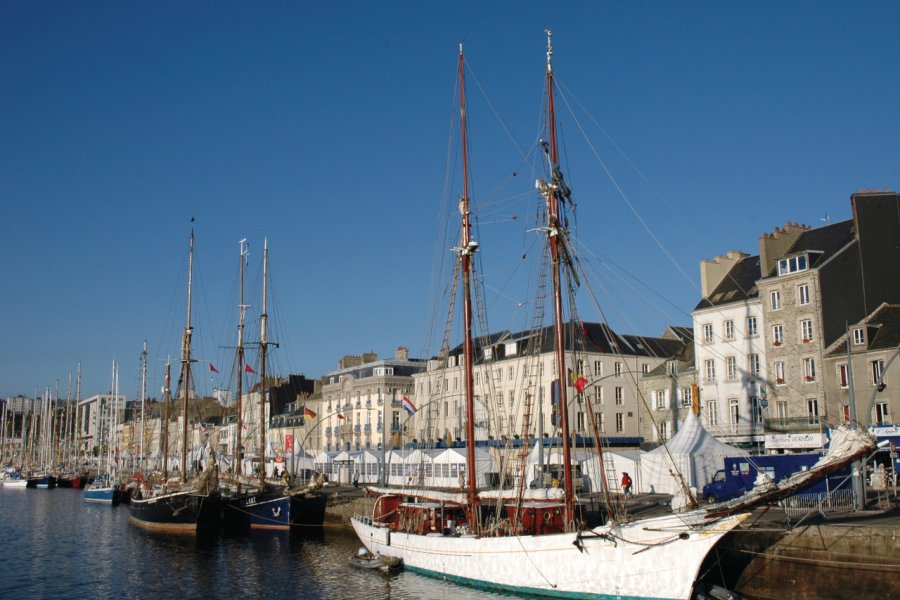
(54,545)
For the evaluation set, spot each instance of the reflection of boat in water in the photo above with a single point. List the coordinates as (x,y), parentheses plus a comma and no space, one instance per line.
(366,560)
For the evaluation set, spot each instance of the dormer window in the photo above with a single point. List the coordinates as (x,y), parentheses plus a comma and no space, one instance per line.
(794,264)
(859,338)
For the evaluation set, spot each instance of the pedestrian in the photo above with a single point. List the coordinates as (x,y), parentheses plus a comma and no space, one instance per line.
(356,479)
(626,485)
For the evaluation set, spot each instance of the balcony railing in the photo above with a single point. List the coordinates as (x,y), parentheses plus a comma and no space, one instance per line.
(809,423)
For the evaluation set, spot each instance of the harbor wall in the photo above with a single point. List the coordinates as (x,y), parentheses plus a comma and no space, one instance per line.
(821,561)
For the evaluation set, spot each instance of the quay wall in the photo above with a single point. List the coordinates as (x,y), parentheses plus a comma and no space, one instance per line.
(820,561)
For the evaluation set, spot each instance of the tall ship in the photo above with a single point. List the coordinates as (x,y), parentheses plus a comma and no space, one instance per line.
(261,503)
(189,501)
(535,541)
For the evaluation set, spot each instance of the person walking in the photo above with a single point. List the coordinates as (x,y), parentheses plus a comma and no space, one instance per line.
(626,485)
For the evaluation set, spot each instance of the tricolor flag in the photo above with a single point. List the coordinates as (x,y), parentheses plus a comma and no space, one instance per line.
(249,369)
(408,406)
(212,368)
(308,413)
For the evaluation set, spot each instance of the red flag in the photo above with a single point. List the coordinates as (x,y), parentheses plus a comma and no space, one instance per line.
(340,416)
(580,384)
(249,369)
(212,368)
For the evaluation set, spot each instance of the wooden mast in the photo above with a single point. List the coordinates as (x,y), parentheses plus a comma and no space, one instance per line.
(466,250)
(263,347)
(239,359)
(186,366)
(556,242)
(164,434)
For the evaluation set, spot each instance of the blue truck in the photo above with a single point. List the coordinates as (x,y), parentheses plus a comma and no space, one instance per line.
(740,473)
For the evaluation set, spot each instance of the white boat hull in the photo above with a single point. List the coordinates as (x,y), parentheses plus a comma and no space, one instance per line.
(653,558)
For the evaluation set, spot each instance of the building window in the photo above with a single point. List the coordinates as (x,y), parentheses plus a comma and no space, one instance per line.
(775,299)
(812,409)
(710,365)
(803,294)
(660,399)
(809,369)
(598,368)
(712,413)
(511,372)
(843,376)
(734,413)
(579,421)
(730,368)
(756,411)
(777,334)
(620,422)
(620,396)
(662,432)
(753,364)
(781,409)
(729,329)
(687,397)
(882,413)
(598,395)
(672,367)
(806,330)
(707,332)
(794,264)
(601,422)
(618,369)
(751,326)
(877,367)
(859,337)
(645,368)
(500,400)
(779,373)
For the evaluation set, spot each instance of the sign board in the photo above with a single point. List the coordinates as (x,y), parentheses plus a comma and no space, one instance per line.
(809,441)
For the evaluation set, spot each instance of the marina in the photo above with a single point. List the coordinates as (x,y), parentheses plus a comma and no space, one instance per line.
(616,327)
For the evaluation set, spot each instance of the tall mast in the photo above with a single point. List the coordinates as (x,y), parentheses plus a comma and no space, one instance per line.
(164,422)
(143,405)
(555,235)
(467,248)
(263,347)
(75,441)
(186,365)
(239,359)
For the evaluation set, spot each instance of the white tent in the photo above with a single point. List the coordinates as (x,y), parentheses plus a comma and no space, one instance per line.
(623,461)
(696,454)
(449,468)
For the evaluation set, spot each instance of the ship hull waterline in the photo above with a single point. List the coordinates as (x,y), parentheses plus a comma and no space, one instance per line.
(650,559)
(182,512)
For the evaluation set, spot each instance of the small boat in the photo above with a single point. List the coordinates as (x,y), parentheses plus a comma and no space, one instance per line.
(15,481)
(102,491)
(366,560)
(44,482)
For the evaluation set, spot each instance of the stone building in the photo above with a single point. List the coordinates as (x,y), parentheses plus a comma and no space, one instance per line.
(361,396)
(515,375)
(815,282)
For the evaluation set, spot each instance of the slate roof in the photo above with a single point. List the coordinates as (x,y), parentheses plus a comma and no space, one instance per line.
(822,243)
(882,331)
(738,285)
(588,337)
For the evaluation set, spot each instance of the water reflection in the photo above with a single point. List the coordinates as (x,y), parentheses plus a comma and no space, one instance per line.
(53,545)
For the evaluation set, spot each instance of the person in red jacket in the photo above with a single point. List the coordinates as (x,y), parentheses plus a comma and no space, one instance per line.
(626,485)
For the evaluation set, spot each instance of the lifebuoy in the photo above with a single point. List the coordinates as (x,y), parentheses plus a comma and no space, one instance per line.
(546,516)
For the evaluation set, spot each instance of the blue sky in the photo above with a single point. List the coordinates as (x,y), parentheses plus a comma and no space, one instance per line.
(324,127)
